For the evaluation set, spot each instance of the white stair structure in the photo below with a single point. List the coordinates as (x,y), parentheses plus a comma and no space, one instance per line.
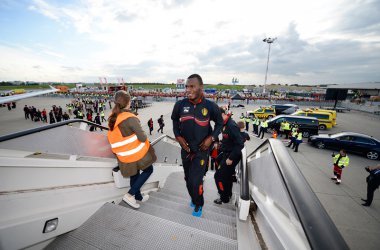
(65,173)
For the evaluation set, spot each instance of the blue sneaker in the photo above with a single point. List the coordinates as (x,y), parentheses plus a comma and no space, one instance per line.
(197,211)
(192,204)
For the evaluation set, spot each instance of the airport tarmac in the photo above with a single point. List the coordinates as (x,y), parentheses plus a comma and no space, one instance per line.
(360,226)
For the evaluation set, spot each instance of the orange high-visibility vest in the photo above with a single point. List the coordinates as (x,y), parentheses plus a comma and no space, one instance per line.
(127,149)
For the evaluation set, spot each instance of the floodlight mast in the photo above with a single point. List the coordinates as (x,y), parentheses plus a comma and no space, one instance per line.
(269,41)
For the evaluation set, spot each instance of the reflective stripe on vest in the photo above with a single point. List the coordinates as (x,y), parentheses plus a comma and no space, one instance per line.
(127,149)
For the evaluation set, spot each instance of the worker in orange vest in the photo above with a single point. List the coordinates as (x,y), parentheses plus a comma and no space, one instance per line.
(131,146)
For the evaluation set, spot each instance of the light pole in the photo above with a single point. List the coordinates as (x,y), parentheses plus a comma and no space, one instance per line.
(269,41)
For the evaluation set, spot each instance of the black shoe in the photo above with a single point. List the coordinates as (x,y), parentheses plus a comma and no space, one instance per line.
(366,204)
(218,201)
(364,200)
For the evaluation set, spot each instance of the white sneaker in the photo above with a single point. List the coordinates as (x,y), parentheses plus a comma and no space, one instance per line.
(130,200)
(145,198)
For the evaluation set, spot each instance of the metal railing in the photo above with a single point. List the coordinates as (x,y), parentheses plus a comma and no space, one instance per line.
(244,201)
(319,229)
(47,127)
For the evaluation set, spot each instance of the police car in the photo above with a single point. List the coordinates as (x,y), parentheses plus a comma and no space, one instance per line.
(263,112)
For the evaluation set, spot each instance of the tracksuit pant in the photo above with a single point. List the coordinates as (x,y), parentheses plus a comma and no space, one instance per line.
(195,165)
(224,177)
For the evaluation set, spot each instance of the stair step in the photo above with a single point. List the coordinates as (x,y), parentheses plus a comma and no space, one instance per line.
(208,198)
(185,218)
(208,214)
(114,227)
(221,209)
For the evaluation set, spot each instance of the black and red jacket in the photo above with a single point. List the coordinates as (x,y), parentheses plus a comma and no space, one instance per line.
(192,121)
(232,142)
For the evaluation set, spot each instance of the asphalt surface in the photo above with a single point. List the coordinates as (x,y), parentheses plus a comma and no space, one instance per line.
(360,226)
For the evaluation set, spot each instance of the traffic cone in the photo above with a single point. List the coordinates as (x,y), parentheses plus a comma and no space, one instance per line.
(274,134)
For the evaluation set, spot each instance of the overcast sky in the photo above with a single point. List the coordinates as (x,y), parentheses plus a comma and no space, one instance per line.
(318,42)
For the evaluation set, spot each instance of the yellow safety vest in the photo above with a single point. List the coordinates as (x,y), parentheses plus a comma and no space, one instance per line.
(344,161)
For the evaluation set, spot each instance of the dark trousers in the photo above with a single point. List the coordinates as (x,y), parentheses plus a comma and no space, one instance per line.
(296,144)
(150,130)
(262,131)
(194,166)
(372,184)
(161,128)
(224,178)
(286,132)
(138,180)
(256,129)
(247,126)
(292,142)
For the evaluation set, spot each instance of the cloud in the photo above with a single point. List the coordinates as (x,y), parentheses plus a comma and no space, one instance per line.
(45,9)
(164,40)
(55,54)
(361,18)
(125,17)
(295,59)
(71,69)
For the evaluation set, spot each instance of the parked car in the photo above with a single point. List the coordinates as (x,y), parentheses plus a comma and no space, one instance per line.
(325,119)
(262,112)
(308,125)
(350,141)
(285,109)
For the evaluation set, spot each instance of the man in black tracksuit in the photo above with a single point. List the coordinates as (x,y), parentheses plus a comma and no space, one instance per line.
(231,146)
(192,129)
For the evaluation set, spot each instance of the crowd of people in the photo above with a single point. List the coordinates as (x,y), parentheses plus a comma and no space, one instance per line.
(56,114)
(198,139)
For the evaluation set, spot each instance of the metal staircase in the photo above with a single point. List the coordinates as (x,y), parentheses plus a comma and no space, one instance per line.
(163,222)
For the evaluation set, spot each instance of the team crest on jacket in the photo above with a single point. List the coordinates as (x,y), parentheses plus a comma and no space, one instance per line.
(186,109)
(202,162)
(204,111)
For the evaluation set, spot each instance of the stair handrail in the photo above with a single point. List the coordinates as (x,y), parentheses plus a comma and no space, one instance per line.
(47,127)
(319,228)
(244,198)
